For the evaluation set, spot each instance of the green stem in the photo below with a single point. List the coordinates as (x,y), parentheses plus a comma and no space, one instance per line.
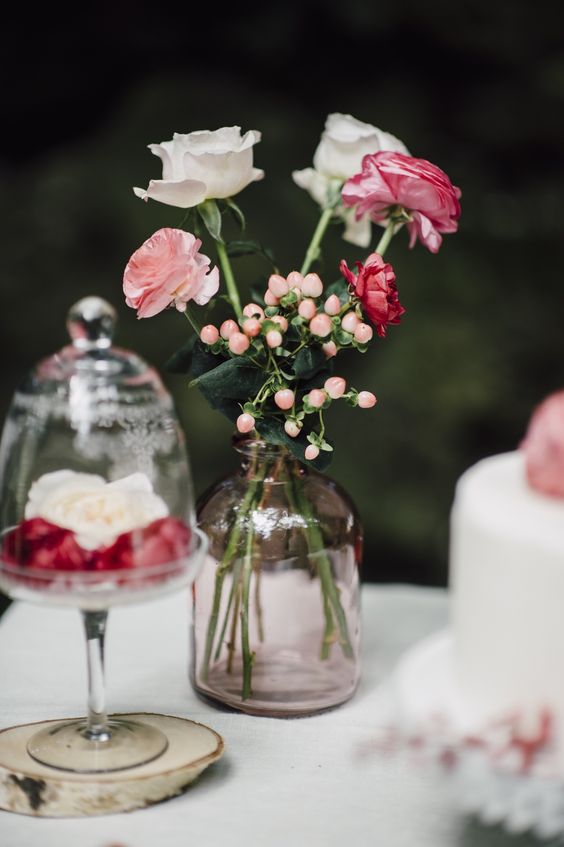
(321,424)
(190,317)
(387,236)
(313,249)
(331,599)
(329,631)
(234,589)
(222,569)
(232,291)
(245,644)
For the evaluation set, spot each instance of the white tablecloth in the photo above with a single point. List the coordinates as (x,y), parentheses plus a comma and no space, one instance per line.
(316,782)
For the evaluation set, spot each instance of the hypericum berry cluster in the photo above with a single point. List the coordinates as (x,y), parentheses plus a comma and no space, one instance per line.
(296,316)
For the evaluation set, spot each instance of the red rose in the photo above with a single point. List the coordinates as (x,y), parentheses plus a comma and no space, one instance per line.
(392,179)
(375,286)
(36,543)
(164,540)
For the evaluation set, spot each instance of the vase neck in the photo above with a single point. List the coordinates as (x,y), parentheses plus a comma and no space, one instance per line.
(268,461)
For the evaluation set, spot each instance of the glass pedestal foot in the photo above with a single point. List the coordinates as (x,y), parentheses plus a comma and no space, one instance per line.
(125,744)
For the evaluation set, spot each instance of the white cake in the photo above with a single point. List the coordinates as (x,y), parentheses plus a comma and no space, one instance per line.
(507,584)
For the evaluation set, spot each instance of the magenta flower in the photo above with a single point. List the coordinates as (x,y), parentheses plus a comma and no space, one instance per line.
(388,180)
(167,270)
(375,286)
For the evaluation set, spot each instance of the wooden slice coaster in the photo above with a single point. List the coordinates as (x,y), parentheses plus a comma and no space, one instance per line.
(30,788)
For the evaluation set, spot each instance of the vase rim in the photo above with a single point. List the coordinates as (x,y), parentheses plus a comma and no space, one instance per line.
(249,446)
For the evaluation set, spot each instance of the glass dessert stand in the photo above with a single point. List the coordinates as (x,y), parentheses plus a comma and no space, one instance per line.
(96,511)
(98,743)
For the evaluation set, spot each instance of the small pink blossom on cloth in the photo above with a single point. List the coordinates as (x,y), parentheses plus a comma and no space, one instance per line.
(543,446)
(167,270)
(391,179)
(375,286)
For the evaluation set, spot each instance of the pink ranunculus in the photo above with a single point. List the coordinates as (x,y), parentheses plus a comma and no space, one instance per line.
(167,270)
(375,286)
(391,179)
(543,446)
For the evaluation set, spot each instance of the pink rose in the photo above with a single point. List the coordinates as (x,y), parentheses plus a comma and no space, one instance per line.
(375,286)
(544,447)
(392,179)
(167,270)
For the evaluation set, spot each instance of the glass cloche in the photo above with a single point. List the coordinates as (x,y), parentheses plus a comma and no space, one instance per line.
(96,509)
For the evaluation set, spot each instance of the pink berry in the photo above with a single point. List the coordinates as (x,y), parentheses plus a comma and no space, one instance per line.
(270,299)
(335,387)
(251,327)
(350,322)
(238,343)
(307,309)
(209,334)
(321,325)
(363,333)
(245,423)
(366,399)
(227,329)
(252,310)
(311,452)
(273,338)
(312,286)
(330,349)
(317,398)
(281,321)
(332,305)
(284,398)
(295,279)
(292,428)
(278,285)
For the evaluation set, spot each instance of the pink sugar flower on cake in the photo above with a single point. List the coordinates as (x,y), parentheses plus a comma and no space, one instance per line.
(168,270)
(544,447)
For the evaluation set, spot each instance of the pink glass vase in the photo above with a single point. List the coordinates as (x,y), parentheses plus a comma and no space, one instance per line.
(276,624)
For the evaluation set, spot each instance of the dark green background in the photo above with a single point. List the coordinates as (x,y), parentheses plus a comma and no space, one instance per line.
(476,88)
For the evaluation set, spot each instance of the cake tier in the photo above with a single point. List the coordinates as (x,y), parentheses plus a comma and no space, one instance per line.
(507,582)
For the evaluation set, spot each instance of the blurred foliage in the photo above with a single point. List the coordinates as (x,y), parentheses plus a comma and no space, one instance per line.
(477,88)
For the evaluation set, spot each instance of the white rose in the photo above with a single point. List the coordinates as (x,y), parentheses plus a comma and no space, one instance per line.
(344,143)
(96,510)
(203,165)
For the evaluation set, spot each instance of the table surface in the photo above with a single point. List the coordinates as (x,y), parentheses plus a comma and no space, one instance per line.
(317,782)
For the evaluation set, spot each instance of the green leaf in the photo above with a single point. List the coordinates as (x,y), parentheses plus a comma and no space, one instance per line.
(250,248)
(203,360)
(272,430)
(308,362)
(211,217)
(343,338)
(181,361)
(236,212)
(232,379)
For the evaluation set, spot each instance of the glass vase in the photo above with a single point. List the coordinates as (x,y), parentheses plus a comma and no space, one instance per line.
(276,624)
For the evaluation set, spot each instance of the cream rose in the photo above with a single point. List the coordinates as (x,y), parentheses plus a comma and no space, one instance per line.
(96,510)
(344,143)
(203,165)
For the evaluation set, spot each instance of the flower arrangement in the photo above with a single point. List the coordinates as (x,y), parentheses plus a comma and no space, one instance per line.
(270,365)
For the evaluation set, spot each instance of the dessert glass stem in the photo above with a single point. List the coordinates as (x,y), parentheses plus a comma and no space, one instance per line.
(97,728)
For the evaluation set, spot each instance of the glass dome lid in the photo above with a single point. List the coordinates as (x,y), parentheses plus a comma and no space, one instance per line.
(92,446)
